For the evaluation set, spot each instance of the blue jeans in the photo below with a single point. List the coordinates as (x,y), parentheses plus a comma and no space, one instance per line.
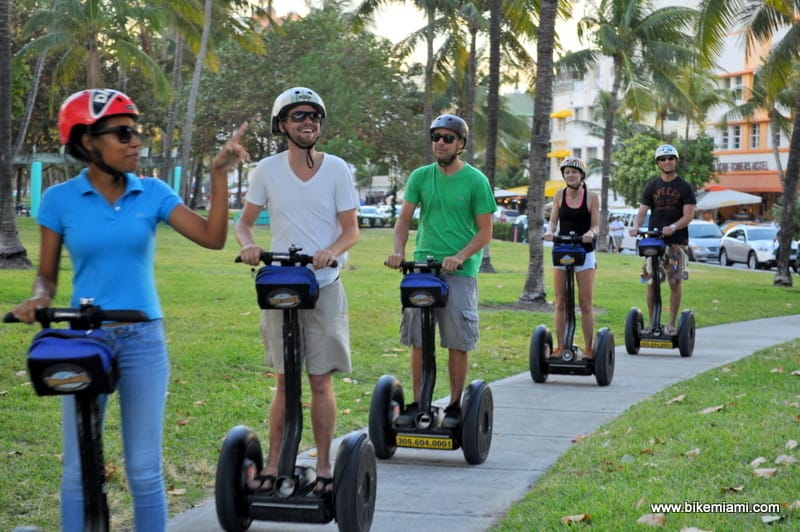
(142,393)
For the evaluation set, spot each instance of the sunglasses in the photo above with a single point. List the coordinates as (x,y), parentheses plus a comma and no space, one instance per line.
(124,133)
(666,158)
(447,138)
(300,116)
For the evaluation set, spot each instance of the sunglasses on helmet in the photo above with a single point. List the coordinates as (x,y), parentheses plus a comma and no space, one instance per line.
(447,138)
(124,133)
(300,116)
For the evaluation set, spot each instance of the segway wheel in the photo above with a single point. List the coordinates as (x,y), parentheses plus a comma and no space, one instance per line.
(239,459)
(604,357)
(633,327)
(477,422)
(387,402)
(355,484)
(686,330)
(541,346)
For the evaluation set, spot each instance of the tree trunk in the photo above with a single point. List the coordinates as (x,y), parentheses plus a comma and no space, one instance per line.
(12,252)
(193,90)
(169,132)
(608,146)
(783,276)
(534,294)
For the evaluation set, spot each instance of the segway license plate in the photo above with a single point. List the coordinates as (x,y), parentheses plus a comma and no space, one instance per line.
(651,247)
(68,361)
(444,443)
(657,344)
(568,255)
(423,290)
(286,287)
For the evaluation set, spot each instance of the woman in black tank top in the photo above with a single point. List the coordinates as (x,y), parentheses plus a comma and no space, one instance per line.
(575,210)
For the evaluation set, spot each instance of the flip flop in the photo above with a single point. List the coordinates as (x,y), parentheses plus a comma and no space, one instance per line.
(261,480)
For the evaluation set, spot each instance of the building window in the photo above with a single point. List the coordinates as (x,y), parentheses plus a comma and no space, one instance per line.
(736,137)
(755,136)
(576,152)
(736,85)
(591,153)
(724,140)
(577,113)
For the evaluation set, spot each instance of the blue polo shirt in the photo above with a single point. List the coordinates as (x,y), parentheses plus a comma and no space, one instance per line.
(112,247)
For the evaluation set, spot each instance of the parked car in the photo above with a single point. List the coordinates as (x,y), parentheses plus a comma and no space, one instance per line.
(754,245)
(704,240)
(369,216)
(628,216)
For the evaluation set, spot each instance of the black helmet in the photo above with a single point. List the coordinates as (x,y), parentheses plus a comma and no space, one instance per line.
(453,123)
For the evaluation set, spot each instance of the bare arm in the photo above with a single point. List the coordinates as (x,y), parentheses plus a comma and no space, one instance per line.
(478,242)
(46,282)
(250,252)
(637,222)
(347,239)
(553,223)
(400,235)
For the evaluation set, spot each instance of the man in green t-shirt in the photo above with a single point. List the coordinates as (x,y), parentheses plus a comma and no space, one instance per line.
(455,223)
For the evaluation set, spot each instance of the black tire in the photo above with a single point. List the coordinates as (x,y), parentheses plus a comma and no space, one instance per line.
(241,451)
(686,333)
(752,262)
(541,346)
(477,422)
(633,327)
(387,394)
(723,258)
(355,484)
(604,357)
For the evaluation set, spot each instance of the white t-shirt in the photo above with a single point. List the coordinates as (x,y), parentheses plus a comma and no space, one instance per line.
(304,213)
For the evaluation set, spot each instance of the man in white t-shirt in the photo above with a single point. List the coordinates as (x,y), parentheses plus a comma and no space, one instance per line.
(312,203)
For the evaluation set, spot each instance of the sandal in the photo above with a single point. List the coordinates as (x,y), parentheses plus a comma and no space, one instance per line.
(323,486)
(262,483)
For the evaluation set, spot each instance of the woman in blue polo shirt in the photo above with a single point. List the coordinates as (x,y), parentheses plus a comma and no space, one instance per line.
(106,217)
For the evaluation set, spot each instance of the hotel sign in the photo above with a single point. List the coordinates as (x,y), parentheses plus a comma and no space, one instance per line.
(744,166)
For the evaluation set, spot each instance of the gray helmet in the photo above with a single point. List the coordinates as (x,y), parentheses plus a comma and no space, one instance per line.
(451,122)
(666,149)
(292,98)
(573,162)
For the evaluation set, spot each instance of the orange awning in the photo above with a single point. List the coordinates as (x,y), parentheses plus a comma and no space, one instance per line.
(559,154)
(561,113)
(750,182)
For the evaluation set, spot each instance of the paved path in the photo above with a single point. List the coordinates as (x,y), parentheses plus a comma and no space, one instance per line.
(533,425)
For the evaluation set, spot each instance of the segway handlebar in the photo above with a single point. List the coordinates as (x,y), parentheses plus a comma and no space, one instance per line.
(293,257)
(87,316)
(650,233)
(571,238)
(423,266)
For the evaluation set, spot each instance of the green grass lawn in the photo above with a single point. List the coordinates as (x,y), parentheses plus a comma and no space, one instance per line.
(218,380)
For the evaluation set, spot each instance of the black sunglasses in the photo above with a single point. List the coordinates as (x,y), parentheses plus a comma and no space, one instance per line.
(124,133)
(666,158)
(300,116)
(447,138)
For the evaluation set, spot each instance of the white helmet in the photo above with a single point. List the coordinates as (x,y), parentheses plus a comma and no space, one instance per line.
(573,162)
(666,149)
(292,98)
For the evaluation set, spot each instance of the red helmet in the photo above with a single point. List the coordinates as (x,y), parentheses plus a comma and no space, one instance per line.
(88,106)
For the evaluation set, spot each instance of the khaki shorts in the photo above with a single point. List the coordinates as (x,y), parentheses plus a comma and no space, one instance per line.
(324,334)
(458,321)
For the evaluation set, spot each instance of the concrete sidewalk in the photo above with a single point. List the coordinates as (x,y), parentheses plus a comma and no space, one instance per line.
(533,425)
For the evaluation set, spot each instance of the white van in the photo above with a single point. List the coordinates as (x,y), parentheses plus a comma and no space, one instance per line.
(628,216)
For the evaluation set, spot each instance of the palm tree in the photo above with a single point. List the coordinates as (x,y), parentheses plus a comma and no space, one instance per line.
(85,34)
(12,252)
(761,21)
(645,47)
(534,293)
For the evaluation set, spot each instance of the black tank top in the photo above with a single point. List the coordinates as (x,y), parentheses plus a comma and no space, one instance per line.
(577,219)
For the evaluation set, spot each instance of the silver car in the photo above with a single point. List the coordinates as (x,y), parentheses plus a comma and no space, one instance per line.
(704,240)
(754,245)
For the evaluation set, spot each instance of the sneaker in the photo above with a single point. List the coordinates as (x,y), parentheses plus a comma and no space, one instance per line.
(407,418)
(452,416)
(669,330)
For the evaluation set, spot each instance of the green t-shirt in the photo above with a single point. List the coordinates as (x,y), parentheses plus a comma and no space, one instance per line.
(448,207)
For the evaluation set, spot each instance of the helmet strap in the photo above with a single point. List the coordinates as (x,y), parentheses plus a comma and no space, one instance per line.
(577,187)
(309,148)
(97,159)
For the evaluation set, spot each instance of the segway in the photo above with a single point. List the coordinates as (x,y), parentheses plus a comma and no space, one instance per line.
(285,283)
(80,361)
(568,251)
(423,287)
(650,244)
